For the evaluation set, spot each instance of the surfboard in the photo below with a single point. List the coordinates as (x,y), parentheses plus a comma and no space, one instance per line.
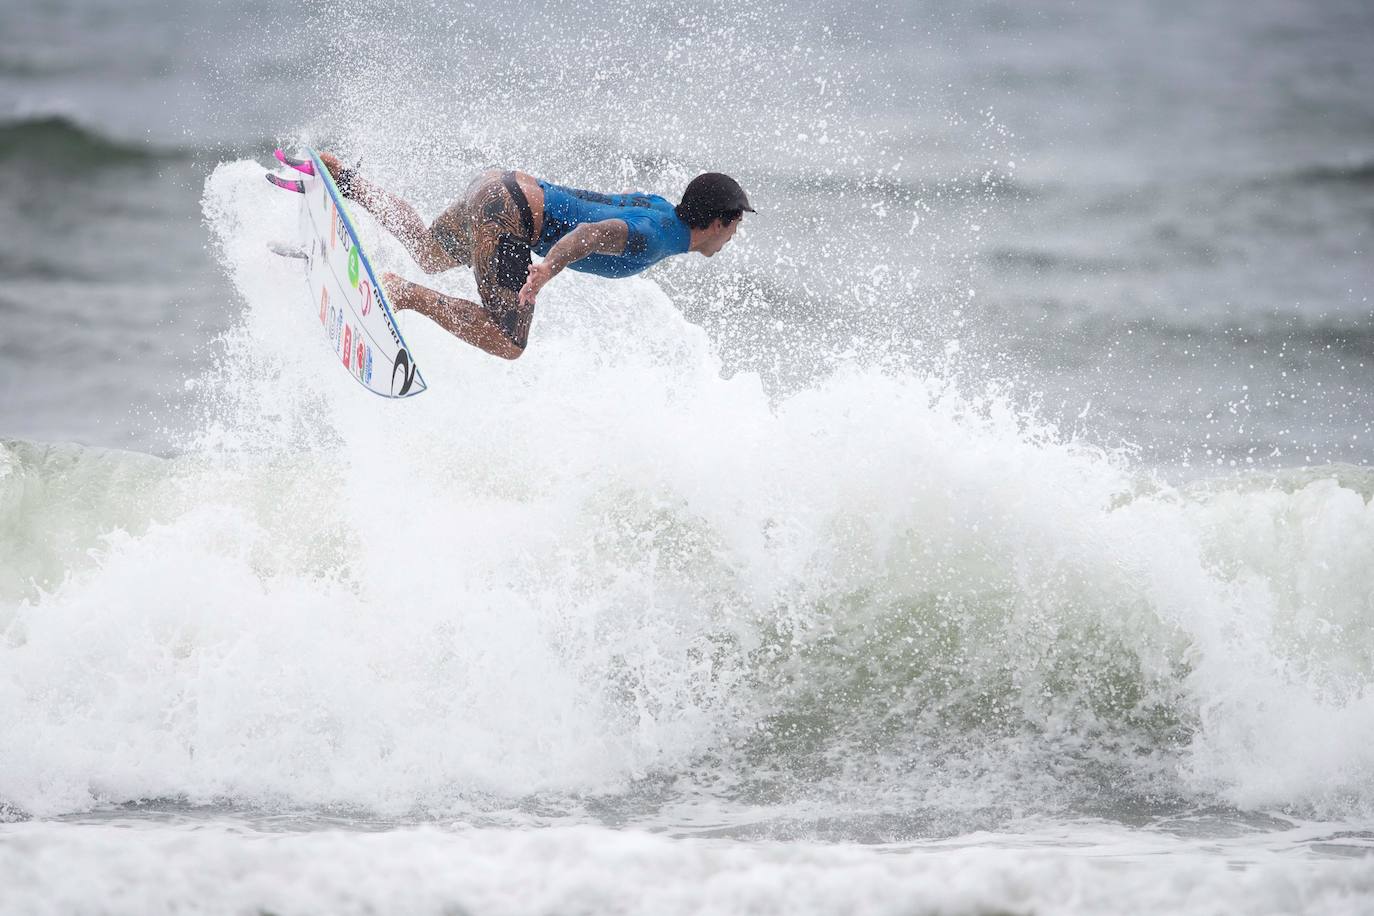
(355,318)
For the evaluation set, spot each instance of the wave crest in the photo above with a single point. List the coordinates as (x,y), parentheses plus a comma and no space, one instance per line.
(61,141)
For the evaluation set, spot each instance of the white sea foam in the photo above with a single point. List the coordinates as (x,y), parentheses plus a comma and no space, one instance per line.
(606,564)
(58,868)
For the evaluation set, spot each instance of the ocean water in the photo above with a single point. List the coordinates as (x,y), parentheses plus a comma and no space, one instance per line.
(987,530)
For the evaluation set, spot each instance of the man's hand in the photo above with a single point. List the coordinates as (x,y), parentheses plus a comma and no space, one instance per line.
(539,274)
(605,237)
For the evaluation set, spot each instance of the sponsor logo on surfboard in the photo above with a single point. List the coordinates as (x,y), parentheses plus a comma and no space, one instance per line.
(406,368)
(362,363)
(341,229)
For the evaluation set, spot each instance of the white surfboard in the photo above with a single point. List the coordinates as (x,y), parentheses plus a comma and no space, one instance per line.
(354,315)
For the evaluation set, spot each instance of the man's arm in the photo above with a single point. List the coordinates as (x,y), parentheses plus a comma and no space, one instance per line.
(605,237)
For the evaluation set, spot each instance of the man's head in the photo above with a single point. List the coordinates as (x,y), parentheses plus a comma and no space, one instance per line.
(712,206)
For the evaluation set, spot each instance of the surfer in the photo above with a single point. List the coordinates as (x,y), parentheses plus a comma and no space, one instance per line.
(506,216)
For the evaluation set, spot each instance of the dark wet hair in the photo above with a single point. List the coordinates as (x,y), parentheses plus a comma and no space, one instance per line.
(712,196)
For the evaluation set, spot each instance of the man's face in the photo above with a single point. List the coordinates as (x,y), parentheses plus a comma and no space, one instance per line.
(718,233)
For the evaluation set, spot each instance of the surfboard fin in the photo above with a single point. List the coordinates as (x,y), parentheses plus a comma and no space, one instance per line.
(300,165)
(287,184)
(282,249)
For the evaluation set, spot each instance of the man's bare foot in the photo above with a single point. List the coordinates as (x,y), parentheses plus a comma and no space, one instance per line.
(332,163)
(396,287)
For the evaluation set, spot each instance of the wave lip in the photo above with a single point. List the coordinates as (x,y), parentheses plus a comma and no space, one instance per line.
(58,501)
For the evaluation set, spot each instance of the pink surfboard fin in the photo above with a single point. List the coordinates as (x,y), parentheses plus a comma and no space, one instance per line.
(300,165)
(287,184)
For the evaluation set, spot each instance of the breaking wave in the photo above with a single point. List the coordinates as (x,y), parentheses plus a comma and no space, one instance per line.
(607,570)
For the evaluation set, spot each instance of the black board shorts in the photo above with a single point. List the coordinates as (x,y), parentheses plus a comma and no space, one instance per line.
(499,236)
(502,268)
(512,257)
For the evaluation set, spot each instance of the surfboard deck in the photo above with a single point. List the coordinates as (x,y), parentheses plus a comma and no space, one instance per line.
(355,317)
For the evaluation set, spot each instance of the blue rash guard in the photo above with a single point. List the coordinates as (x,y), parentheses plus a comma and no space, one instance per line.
(655,230)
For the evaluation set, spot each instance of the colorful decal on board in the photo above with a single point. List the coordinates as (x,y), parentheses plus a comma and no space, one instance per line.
(365,292)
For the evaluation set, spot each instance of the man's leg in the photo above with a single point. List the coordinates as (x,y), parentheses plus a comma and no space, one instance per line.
(501,259)
(437,248)
(500,255)
(462,318)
